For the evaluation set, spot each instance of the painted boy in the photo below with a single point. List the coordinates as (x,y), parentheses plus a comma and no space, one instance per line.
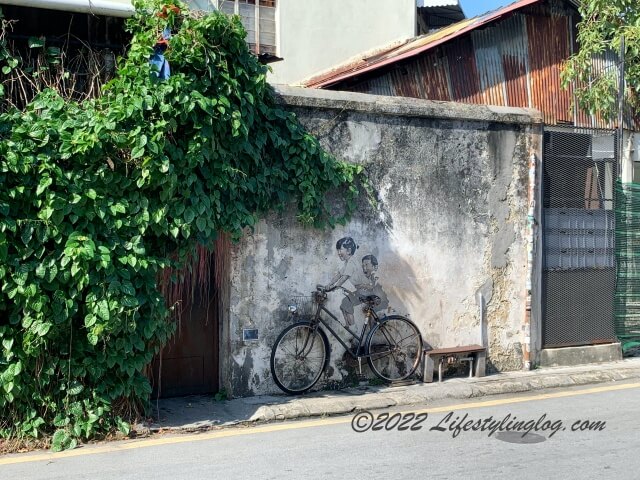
(369,269)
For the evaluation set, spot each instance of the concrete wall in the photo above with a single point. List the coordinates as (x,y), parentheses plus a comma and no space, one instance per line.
(453,185)
(315,35)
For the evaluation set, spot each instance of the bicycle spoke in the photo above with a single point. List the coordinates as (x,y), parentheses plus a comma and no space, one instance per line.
(394,349)
(298,358)
(413,335)
(288,352)
(402,340)
(382,354)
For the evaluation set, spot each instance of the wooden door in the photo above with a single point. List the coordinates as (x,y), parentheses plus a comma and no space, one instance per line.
(188,364)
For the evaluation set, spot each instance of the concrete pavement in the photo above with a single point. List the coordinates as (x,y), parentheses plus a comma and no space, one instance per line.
(203,412)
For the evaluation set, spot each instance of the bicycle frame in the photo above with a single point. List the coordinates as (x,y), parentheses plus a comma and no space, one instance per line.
(317,319)
(373,346)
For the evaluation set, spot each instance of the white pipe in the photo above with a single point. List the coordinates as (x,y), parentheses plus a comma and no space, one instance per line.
(97,7)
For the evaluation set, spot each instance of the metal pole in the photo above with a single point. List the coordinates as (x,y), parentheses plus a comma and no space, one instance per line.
(621,108)
(257,27)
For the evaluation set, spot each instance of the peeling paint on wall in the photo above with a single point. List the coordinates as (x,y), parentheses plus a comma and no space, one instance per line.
(450,224)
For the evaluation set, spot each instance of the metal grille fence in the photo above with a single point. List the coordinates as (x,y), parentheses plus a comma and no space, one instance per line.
(579,273)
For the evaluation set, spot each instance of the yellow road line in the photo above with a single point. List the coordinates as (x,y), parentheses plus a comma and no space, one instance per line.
(234,432)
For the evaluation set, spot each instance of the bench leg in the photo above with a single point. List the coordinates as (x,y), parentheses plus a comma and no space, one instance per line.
(427,375)
(481,361)
(440,362)
(470,360)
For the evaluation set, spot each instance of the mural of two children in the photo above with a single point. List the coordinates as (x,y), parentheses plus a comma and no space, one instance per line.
(361,274)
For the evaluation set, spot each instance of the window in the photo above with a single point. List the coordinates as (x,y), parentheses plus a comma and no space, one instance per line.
(259,21)
(579,170)
(263,3)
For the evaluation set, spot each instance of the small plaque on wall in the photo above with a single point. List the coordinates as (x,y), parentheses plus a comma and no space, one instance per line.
(250,334)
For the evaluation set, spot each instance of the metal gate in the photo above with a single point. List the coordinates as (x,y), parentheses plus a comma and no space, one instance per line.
(579,273)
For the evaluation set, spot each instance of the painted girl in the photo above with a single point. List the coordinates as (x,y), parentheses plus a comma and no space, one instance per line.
(352,271)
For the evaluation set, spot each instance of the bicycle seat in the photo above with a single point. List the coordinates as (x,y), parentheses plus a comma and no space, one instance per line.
(371,300)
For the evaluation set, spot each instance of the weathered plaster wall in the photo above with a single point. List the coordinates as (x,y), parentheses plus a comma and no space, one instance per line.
(453,190)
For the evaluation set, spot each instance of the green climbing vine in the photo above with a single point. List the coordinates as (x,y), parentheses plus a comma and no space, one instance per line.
(98,196)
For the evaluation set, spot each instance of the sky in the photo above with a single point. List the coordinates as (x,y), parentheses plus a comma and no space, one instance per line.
(473,8)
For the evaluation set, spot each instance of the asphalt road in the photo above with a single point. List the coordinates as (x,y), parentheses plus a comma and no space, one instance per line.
(484,444)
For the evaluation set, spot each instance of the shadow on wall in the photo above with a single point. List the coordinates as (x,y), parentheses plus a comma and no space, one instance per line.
(363,262)
(281,264)
(439,233)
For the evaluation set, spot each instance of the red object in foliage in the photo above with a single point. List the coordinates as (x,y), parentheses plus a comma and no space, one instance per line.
(165,11)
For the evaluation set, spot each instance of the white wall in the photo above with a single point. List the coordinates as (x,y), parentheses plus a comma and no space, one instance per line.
(315,35)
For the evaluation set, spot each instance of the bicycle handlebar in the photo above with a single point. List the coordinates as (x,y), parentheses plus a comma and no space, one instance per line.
(324,289)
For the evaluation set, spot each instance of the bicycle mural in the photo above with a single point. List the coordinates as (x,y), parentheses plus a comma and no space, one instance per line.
(391,344)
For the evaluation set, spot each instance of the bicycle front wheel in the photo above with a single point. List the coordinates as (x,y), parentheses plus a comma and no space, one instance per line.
(394,348)
(299,357)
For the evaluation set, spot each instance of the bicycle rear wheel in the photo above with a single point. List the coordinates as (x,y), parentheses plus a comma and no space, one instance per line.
(394,348)
(298,358)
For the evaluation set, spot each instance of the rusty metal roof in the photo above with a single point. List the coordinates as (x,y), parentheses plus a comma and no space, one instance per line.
(515,62)
(411,47)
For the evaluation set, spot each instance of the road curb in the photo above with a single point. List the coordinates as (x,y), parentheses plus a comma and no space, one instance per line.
(199,413)
(353,400)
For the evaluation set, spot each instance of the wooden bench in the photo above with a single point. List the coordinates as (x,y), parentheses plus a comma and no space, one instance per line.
(466,353)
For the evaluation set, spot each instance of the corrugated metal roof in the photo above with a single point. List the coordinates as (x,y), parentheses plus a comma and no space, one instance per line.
(412,46)
(514,62)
